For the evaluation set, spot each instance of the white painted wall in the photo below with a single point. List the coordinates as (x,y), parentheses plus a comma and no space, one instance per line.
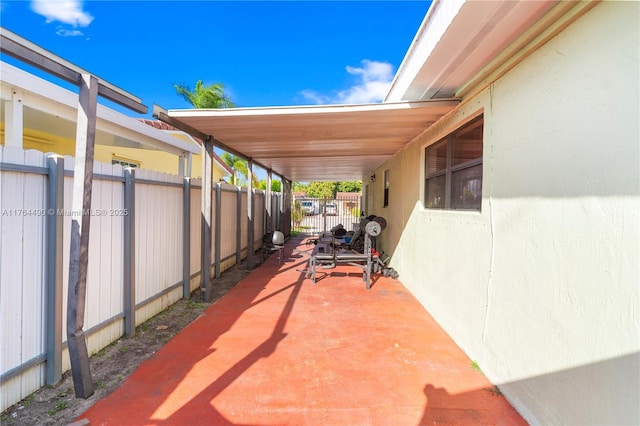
(541,287)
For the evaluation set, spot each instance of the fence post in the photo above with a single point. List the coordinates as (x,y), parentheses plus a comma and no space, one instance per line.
(239,226)
(186,237)
(129,265)
(218,236)
(55,203)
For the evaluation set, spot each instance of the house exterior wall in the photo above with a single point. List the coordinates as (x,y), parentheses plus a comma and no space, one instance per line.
(541,286)
(149,159)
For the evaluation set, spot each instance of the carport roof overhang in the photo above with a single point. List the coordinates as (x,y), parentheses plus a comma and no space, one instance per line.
(314,143)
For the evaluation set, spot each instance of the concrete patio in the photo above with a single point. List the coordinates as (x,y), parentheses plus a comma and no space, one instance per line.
(278,350)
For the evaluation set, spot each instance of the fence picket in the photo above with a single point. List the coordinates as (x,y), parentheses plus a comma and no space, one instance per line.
(33,283)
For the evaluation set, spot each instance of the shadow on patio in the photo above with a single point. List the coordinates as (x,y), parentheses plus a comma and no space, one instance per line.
(278,350)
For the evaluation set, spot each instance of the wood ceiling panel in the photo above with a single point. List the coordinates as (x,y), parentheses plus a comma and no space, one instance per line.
(328,142)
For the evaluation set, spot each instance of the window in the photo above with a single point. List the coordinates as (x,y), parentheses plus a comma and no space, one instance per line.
(386,188)
(453,169)
(125,162)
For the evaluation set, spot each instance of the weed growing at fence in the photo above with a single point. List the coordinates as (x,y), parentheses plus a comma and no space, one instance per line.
(58,407)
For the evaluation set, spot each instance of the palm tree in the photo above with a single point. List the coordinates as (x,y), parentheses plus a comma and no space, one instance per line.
(238,166)
(211,96)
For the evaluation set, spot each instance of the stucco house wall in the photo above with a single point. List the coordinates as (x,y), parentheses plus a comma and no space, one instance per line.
(541,286)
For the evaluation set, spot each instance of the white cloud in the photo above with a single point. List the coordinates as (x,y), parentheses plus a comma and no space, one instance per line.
(64,11)
(374,80)
(68,33)
(315,97)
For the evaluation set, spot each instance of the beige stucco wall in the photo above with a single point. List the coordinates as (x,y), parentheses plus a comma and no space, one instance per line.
(541,287)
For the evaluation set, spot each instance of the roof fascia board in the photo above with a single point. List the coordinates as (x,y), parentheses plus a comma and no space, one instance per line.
(433,27)
(32,54)
(550,25)
(306,109)
(52,99)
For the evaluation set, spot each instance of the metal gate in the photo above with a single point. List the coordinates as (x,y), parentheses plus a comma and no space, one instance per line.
(313,216)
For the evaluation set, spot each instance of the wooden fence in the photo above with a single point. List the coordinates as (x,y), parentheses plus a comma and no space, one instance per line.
(34,255)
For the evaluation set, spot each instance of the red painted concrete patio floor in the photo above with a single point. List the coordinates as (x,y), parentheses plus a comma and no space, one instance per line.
(278,350)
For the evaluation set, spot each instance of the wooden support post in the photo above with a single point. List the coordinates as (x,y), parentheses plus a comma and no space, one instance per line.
(55,203)
(267,203)
(250,214)
(239,226)
(285,216)
(207,161)
(80,221)
(13,120)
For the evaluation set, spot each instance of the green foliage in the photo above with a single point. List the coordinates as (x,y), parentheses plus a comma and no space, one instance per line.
(322,190)
(327,189)
(203,96)
(276,185)
(240,168)
(27,401)
(299,187)
(349,186)
(297,214)
(58,407)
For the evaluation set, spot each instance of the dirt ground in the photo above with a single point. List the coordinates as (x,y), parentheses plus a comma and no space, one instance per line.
(113,364)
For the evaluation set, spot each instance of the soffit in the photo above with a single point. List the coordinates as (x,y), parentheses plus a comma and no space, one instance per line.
(317,143)
(456,40)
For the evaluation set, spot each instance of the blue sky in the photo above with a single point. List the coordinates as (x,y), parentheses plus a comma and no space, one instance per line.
(265,53)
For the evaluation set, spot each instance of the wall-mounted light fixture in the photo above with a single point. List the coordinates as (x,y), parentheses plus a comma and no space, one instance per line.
(372,178)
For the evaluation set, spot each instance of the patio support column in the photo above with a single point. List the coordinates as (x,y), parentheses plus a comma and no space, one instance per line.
(186,237)
(55,203)
(285,210)
(13,120)
(181,165)
(206,206)
(250,214)
(267,203)
(218,236)
(189,163)
(79,246)
(238,226)
(129,252)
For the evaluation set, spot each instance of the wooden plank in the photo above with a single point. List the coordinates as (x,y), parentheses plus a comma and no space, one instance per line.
(82,184)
